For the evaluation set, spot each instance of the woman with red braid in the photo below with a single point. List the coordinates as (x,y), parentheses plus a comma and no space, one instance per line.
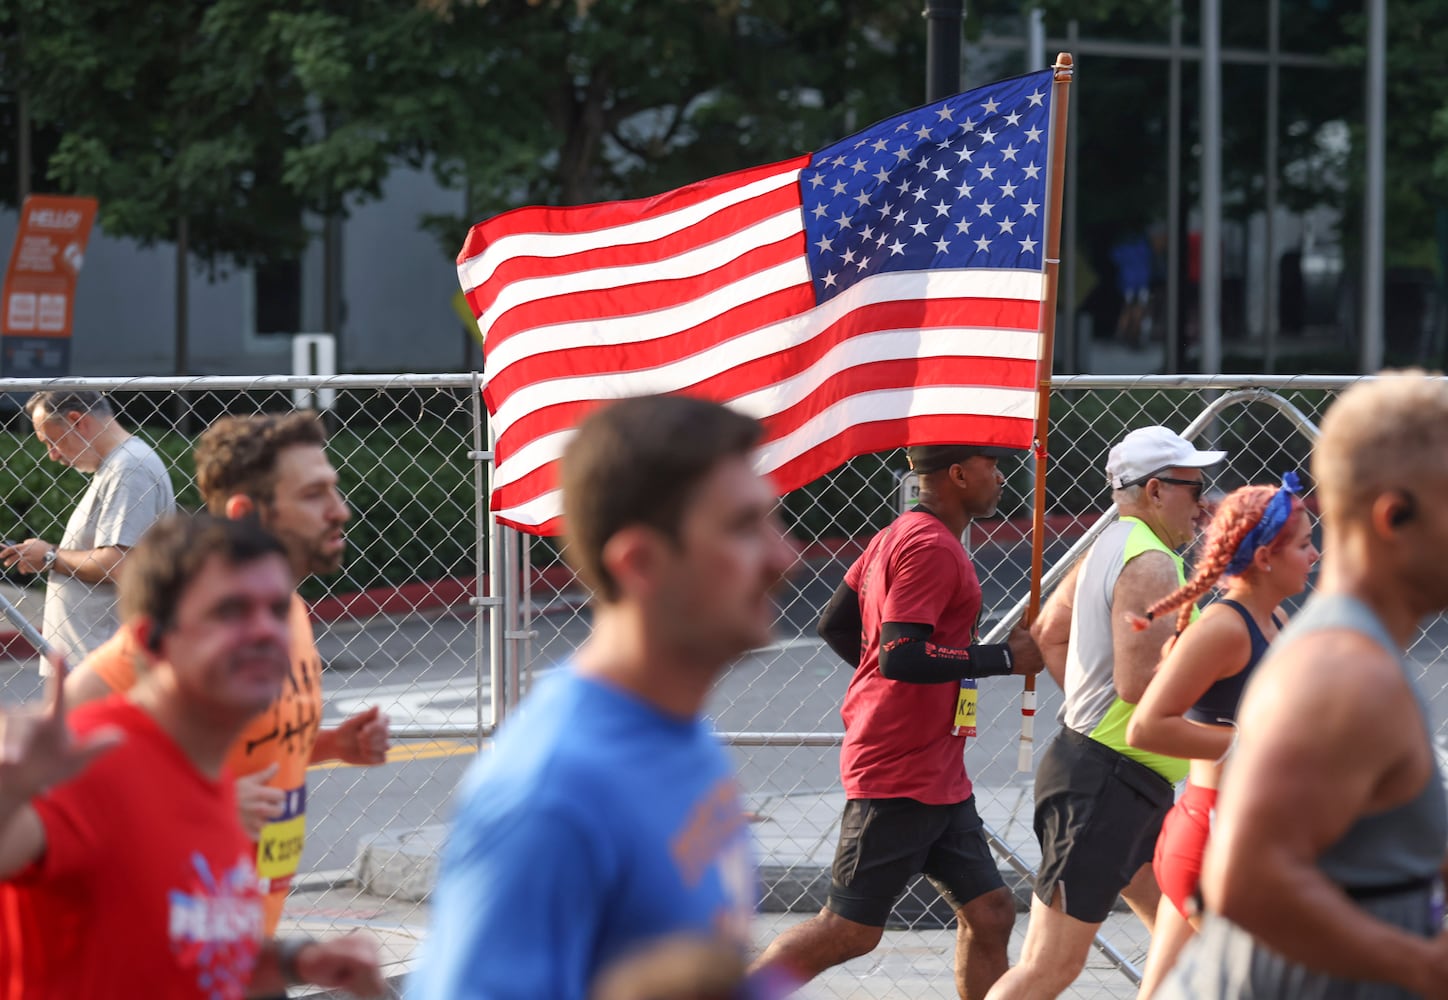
(1260,544)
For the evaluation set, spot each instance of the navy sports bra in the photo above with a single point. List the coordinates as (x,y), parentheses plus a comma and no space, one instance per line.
(1218,704)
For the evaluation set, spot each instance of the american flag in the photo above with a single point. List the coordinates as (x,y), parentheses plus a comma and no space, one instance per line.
(884,291)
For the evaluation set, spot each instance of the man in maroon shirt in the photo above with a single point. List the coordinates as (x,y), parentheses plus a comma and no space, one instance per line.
(905,618)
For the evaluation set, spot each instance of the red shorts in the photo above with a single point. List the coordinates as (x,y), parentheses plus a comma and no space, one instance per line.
(1179,849)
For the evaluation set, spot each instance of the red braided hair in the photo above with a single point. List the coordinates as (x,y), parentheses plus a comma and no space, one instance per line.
(1236,515)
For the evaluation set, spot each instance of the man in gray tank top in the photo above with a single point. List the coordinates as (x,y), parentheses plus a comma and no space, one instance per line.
(1331,826)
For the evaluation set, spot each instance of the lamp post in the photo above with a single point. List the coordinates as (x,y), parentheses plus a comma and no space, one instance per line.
(943,20)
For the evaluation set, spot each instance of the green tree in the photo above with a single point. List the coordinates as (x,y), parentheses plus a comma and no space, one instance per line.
(1417,131)
(550,104)
(237,116)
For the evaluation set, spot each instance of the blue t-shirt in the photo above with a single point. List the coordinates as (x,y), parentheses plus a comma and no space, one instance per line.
(594,824)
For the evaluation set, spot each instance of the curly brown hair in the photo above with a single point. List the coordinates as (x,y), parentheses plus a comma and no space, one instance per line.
(238,455)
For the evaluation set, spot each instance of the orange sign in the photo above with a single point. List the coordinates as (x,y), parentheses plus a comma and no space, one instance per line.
(40,281)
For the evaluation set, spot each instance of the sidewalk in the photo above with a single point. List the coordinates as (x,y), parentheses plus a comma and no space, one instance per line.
(795,841)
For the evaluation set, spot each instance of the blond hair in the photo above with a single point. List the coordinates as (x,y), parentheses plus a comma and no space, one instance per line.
(1378,436)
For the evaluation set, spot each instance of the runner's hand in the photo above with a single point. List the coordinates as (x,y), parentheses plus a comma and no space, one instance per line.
(38,750)
(363,739)
(345,963)
(257,803)
(1026,658)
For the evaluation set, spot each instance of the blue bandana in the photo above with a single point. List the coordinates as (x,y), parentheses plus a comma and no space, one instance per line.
(1279,509)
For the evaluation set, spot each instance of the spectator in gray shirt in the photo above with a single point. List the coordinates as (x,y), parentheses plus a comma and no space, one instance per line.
(129,490)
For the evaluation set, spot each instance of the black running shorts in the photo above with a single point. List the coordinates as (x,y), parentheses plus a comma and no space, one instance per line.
(886,842)
(1098,814)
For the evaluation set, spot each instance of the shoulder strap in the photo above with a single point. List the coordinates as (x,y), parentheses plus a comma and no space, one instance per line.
(1253,629)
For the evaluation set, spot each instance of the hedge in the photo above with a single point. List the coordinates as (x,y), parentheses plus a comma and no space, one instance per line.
(410,484)
(410,487)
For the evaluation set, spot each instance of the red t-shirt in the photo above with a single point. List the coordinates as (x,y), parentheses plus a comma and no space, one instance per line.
(284,735)
(898,741)
(147,886)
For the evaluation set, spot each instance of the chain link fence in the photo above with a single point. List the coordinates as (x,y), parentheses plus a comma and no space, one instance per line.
(779,707)
(403,625)
(411,622)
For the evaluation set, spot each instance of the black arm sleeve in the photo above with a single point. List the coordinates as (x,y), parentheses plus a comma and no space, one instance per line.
(906,654)
(839,626)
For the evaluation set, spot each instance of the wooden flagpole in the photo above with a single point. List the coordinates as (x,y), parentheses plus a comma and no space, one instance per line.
(1060,105)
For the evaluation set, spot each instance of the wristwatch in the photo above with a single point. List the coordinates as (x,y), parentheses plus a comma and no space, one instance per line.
(49,560)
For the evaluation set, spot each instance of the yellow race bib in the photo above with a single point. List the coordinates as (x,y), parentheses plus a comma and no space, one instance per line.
(279,849)
(965,709)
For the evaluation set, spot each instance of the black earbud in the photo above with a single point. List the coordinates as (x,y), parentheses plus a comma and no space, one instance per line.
(153,638)
(1402,515)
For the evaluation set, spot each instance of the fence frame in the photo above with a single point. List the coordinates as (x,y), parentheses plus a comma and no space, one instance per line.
(502,597)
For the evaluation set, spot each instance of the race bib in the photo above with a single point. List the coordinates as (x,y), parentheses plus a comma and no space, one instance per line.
(965,709)
(279,849)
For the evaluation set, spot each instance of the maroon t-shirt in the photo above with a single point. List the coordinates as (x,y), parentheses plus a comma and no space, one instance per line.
(898,741)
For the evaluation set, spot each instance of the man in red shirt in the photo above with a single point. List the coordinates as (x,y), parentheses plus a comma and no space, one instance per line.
(123,868)
(905,618)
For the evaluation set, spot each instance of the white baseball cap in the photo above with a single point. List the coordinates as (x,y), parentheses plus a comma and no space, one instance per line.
(1149,450)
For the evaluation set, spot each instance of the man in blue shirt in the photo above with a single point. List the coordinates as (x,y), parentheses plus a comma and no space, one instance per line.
(607,815)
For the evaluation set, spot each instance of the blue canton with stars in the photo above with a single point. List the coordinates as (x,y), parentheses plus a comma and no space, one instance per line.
(959,183)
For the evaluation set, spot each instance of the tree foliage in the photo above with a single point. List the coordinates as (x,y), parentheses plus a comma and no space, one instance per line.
(557,105)
(249,117)
(238,115)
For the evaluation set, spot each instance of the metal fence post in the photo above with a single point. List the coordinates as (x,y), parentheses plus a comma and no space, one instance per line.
(483,596)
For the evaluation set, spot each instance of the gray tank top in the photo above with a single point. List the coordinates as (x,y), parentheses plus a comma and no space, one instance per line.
(1406,843)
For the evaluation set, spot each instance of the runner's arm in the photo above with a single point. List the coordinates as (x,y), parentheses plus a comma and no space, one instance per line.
(907,654)
(1213,647)
(839,626)
(1143,581)
(22,837)
(38,752)
(1052,628)
(347,963)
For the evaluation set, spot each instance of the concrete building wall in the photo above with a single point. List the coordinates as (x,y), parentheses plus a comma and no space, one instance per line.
(397,283)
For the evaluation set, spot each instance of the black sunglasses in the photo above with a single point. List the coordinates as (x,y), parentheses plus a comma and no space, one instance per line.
(1197,486)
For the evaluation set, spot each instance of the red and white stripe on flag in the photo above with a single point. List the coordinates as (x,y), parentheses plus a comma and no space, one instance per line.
(898,322)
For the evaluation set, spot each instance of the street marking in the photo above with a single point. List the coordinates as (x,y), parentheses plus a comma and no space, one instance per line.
(413,750)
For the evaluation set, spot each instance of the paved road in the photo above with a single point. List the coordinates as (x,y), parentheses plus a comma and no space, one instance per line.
(424,671)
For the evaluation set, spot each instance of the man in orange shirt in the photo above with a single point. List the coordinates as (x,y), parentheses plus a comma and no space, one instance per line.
(273,466)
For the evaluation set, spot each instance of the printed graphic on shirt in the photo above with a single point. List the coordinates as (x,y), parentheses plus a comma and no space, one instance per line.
(294,716)
(713,836)
(737,876)
(279,848)
(216,927)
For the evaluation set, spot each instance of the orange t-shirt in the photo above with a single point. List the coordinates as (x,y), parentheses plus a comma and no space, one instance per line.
(283,734)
